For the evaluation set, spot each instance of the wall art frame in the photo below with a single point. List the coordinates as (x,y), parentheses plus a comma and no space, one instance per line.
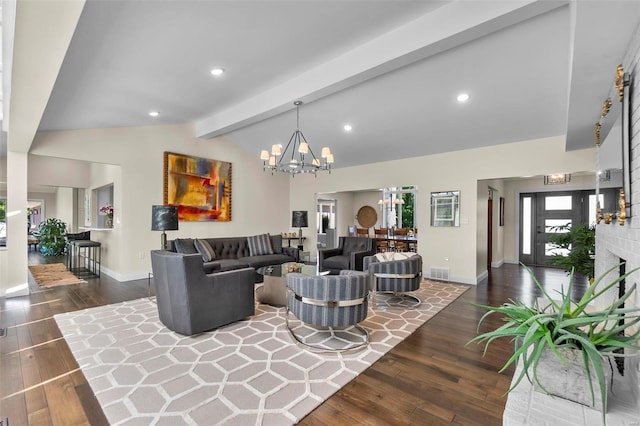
(445,209)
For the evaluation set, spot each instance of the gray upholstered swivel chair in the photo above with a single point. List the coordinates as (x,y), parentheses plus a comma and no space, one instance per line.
(328,309)
(395,277)
(190,301)
(348,255)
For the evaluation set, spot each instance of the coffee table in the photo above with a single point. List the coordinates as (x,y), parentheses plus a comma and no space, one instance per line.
(273,291)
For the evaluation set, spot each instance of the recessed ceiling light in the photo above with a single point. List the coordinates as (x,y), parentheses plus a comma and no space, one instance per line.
(347,127)
(154,113)
(217,71)
(463,97)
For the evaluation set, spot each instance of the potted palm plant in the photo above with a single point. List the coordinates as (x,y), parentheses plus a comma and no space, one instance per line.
(557,330)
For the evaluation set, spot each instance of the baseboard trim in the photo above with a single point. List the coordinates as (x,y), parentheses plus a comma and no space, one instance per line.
(124,277)
(482,276)
(497,264)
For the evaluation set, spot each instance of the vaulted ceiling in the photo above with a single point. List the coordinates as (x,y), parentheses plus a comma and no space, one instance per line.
(391,69)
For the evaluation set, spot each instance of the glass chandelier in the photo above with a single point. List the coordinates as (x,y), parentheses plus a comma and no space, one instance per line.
(297,156)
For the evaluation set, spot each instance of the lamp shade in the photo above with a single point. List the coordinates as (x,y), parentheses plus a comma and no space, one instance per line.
(164,218)
(299,219)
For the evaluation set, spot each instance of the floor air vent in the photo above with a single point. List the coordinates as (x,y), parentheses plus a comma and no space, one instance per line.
(439,274)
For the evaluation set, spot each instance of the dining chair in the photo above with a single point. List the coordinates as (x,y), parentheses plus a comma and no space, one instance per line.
(400,245)
(362,232)
(382,241)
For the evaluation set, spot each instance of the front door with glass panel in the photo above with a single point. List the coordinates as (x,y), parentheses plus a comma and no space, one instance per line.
(555,211)
(544,213)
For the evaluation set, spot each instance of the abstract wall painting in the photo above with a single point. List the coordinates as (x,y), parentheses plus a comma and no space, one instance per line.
(200,187)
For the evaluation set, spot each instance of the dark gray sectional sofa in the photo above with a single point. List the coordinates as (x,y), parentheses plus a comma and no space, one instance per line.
(233,253)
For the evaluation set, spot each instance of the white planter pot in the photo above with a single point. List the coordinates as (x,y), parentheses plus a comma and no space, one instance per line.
(570,381)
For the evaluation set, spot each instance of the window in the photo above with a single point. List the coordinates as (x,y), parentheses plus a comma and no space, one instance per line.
(398,207)
(3,219)
(556,226)
(562,202)
(326,215)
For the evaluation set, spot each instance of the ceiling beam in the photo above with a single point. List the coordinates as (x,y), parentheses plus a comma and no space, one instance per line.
(449,26)
(42,33)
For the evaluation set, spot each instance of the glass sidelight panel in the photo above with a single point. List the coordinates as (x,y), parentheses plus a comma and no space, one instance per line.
(526,225)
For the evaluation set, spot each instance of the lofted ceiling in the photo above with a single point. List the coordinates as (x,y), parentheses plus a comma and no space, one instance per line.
(392,69)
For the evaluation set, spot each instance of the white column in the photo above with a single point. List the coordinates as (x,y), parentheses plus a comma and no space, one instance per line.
(17,278)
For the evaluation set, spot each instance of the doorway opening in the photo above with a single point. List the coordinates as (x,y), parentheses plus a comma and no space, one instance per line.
(541,214)
(326,213)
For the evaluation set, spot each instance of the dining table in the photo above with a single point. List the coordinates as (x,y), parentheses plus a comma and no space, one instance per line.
(412,240)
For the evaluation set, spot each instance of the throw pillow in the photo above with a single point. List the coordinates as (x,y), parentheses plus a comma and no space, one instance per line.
(205,250)
(259,245)
(276,243)
(389,256)
(184,246)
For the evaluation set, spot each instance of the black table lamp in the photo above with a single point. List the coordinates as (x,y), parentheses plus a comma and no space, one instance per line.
(164,218)
(300,220)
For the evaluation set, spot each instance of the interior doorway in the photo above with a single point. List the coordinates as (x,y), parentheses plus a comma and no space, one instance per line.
(326,214)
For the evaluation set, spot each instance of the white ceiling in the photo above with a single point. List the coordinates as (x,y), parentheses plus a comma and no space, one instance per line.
(392,69)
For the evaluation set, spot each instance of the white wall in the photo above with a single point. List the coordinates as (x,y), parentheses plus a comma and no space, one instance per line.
(366,198)
(260,201)
(263,203)
(56,172)
(64,207)
(455,248)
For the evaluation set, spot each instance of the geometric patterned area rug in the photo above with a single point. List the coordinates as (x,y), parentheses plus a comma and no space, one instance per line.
(53,274)
(247,373)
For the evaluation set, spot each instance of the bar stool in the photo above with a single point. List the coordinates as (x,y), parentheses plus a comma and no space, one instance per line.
(85,257)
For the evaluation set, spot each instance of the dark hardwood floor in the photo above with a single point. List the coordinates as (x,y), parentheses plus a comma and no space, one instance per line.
(430,378)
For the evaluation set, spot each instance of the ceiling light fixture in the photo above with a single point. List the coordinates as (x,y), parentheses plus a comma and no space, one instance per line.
(347,128)
(300,159)
(217,71)
(463,97)
(557,178)
(154,113)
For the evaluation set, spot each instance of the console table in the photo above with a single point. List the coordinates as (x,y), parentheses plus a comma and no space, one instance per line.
(292,238)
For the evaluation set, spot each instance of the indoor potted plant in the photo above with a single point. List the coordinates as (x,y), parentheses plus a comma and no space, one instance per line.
(580,241)
(558,329)
(51,234)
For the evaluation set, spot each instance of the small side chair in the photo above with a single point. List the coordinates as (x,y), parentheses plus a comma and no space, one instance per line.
(399,277)
(329,309)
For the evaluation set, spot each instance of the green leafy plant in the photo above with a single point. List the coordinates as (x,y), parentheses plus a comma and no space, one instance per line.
(580,241)
(563,323)
(51,234)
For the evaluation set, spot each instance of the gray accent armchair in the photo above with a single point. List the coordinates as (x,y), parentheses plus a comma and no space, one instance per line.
(326,302)
(348,255)
(398,277)
(190,301)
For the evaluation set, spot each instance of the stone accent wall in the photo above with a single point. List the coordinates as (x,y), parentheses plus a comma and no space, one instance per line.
(614,242)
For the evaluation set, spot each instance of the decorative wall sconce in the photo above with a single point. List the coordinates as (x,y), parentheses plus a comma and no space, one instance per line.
(558,178)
